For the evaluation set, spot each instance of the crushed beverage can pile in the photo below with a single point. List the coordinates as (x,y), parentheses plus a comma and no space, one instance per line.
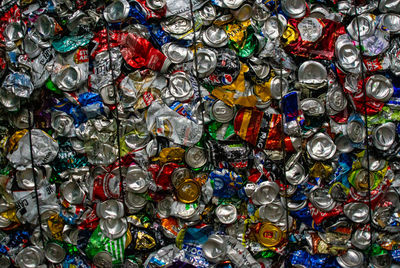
(199,133)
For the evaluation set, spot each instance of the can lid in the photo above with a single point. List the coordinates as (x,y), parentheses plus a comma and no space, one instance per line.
(362,26)
(155,4)
(114,228)
(357,212)
(379,88)
(260,12)
(294,8)
(164,207)
(195,157)
(14,31)
(206,63)
(226,214)
(176,25)
(383,136)
(72,192)
(28,257)
(137,179)
(321,199)
(269,235)
(312,107)
(272,212)
(116,11)
(214,248)
(110,209)
(310,29)
(175,53)
(352,258)
(361,239)
(215,36)
(180,86)
(296,175)
(134,201)
(262,70)
(54,252)
(68,78)
(45,26)
(265,193)
(188,191)
(390,22)
(274,26)
(222,112)
(347,55)
(278,87)
(179,175)
(343,144)
(336,99)
(321,147)
(312,74)
(103,259)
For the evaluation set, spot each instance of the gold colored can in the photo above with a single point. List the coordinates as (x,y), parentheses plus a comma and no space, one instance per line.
(188,191)
(269,235)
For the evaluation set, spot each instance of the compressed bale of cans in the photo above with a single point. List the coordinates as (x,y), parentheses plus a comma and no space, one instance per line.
(199,133)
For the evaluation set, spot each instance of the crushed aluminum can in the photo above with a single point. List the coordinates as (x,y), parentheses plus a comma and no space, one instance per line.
(233,4)
(321,199)
(180,86)
(383,136)
(109,95)
(63,124)
(296,174)
(69,78)
(215,36)
(188,191)
(278,87)
(357,212)
(335,100)
(274,26)
(134,202)
(321,147)
(356,129)
(164,207)
(156,4)
(294,9)
(226,214)
(361,238)
(176,53)
(265,193)
(103,259)
(137,179)
(179,175)
(206,63)
(352,258)
(348,55)
(72,192)
(31,256)
(195,157)
(110,209)
(113,228)
(362,26)
(312,107)
(272,212)
(312,74)
(221,112)
(46,26)
(54,253)
(379,88)
(214,248)
(117,11)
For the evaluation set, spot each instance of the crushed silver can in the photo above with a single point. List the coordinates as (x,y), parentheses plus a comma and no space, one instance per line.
(356,212)
(103,259)
(265,193)
(137,180)
(321,147)
(226,214)
(54,253)
(214,248)
(31,256)
(110,209)
(117,11)
(351,259)
(195,157)
(221,112)
(113,228)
